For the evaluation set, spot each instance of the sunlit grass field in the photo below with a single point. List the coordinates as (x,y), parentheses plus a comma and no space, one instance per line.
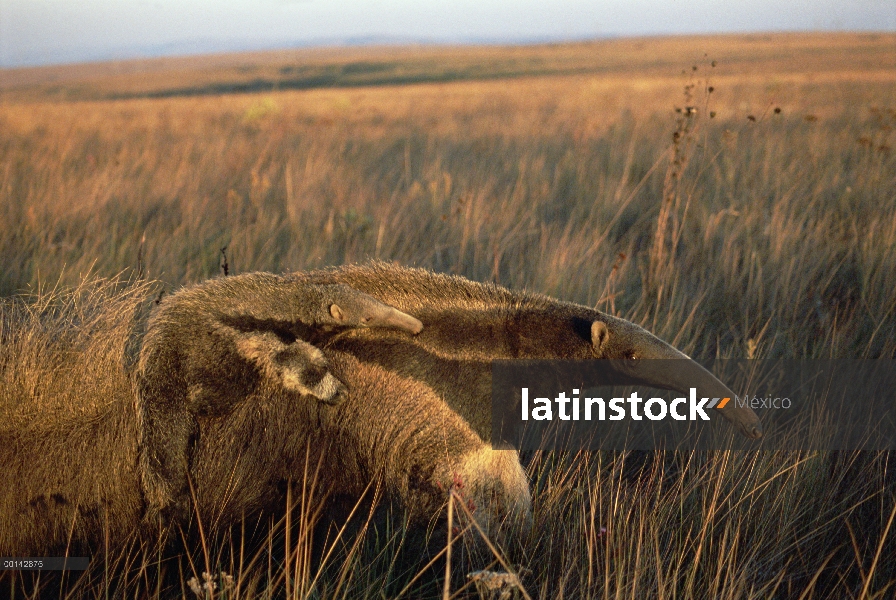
(734,195)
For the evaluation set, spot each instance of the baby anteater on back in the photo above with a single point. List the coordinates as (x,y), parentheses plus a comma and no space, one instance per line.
(210,345)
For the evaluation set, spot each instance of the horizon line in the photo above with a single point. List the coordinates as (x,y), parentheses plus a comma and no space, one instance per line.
(213,47)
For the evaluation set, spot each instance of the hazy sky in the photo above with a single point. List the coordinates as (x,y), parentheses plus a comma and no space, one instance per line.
(53,31)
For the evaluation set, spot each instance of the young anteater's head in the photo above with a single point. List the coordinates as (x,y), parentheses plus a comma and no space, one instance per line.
(296,366)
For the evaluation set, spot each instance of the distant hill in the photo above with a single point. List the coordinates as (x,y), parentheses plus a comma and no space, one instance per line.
(402,64)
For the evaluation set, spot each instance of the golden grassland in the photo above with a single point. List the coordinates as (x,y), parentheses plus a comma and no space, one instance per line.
(735,195)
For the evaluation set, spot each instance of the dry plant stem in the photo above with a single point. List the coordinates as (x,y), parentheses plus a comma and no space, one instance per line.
(446,591)
(670,222)
(342,529)
(880,546)
(431,562)
(498,556)
(810,589)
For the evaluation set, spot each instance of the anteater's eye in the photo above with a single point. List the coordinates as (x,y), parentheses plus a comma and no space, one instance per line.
(631,356)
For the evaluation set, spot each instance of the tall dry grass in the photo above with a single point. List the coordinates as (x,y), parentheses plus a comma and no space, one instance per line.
(753,233)
(550,183)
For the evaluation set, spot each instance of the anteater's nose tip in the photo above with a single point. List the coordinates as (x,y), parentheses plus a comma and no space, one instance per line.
(756,432)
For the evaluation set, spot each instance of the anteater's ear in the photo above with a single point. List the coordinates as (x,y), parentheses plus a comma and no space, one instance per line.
(337,313)
(600,335)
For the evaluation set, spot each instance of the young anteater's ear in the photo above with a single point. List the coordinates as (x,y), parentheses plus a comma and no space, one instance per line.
(600,335)
(337,313)
(258,347)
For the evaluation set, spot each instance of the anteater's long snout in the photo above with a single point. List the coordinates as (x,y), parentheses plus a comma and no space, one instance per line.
(683,374)
(392,317)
